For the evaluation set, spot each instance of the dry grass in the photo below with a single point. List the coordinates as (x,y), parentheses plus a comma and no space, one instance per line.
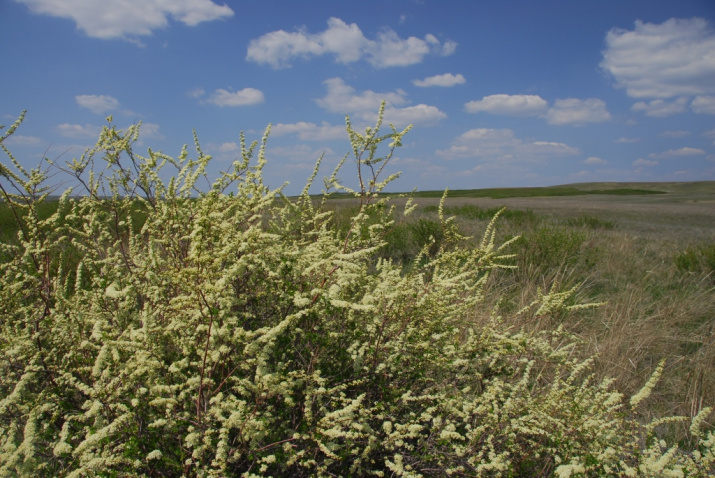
(625,255)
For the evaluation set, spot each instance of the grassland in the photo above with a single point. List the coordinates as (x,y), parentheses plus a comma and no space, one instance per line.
(650,258)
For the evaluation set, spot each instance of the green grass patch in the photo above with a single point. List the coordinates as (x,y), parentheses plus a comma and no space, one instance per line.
(505,193)
(550,246)
(8,222)
(9,226)
(552,191)
(590,222)
(474,212)
(697,259)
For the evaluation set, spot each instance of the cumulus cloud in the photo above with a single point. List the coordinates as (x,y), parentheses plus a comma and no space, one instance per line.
(448,79)
(425,168)
(310,131)
(549,147)
(674,153)
(98,104)
(674,58)
(79,131)
(674,133)
(342,98)
(502,145)
(578,112)
(644,162)
(625,140)
(595,161)
(391,50)
(299,156)
(418,114)
(109,19)
(197,92)
(347,44)
(661,108)
(482,142)
(229,147)
(244,97)
(21,140)
(448,48)
(564,111)
(703,105)
(150,131)
(511,105)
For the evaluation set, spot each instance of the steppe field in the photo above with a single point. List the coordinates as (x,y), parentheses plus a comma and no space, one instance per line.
(649,258)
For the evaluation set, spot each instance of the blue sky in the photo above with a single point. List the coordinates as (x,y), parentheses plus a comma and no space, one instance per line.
(500,93)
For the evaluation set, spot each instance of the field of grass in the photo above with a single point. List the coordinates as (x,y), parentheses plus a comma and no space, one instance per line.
(650,258)
(552,191)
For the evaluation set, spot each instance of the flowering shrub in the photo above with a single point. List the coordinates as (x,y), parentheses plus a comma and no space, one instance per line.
(151,328)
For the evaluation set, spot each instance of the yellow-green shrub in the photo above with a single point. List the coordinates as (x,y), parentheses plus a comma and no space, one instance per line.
(236,333)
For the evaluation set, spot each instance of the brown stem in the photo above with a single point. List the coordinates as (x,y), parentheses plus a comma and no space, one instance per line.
(203,366)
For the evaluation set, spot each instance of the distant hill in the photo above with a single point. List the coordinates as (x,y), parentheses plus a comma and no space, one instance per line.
(674,187)
(580,189)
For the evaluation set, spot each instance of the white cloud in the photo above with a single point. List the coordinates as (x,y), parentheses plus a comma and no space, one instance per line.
(424,168)
(229,147)
(674,133)
(673,153)
(549,147)
(21,140)
(674,58)
(661,108)
(564,111)
(449,48)
(79,131)
(197,92)
(644,162)
(595,160)
(300,156)
(501,145)
(150,131)
(128,18)
(342,98)
(391,50)
(703,105)
(511,105)
(310,131)
(627,140)
(578,112)
(418,114)
(244,97)
(482,142)
(346,43)
(448,79)
(277,48)
(98,104)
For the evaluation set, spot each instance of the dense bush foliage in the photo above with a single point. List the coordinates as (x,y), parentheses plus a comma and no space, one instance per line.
(236,332)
